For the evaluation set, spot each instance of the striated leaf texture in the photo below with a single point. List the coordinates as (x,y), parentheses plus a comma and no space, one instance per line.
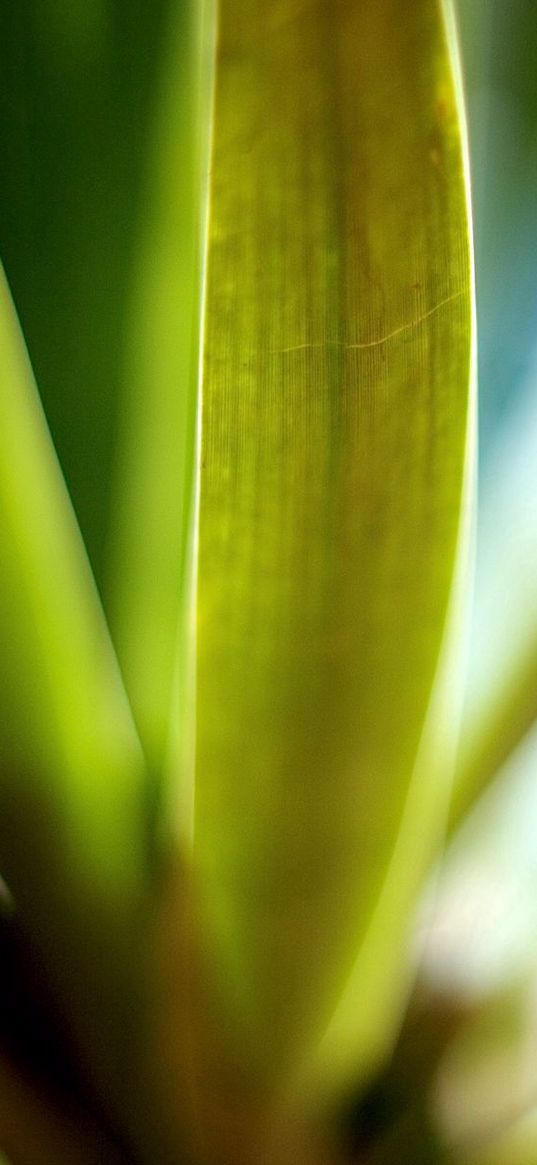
(335,464)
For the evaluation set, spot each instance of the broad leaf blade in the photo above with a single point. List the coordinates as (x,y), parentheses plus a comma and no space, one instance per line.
(71,772)
(334,446)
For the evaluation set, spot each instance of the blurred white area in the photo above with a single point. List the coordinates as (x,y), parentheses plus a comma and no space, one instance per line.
(479,948)
(481,931)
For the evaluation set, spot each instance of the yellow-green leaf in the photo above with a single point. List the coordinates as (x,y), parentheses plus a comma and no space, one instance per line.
(150,570)
(336,424)
(71,771)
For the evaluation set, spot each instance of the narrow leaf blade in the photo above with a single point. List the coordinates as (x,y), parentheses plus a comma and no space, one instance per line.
(149,584)
(71,771)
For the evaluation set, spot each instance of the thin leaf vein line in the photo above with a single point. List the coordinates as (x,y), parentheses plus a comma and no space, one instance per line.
(414,323)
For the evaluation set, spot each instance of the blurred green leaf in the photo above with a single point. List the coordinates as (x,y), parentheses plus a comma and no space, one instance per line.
(71,773)
(335,465)
(149,591)
(76,102)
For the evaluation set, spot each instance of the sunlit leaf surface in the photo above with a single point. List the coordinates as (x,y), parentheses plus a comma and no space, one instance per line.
(71,788)
(330,490)
(150,562)
(333,475)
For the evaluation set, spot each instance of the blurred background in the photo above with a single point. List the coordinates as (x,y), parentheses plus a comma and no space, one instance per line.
(499,54)
(480,958)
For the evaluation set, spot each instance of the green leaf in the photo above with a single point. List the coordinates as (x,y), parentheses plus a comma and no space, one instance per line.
(149,592)
(71,771)
(336,460)
(78,95)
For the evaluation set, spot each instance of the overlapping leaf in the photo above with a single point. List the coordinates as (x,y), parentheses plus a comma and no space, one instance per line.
(332,486)
(149,588)
(334,466)
(71,772)
(76,109)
